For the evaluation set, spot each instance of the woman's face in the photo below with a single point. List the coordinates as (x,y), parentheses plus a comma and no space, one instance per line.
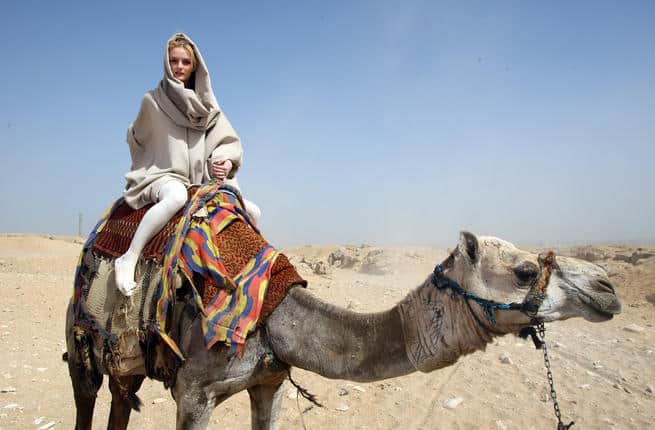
(181,63)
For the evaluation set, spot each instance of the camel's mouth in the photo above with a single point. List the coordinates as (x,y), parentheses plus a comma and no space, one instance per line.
(599,315)
(601,307)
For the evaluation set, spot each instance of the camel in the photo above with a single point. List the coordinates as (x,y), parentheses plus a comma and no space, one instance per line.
(428,330)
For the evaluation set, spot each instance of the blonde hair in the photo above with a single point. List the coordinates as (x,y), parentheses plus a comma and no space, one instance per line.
(179,41)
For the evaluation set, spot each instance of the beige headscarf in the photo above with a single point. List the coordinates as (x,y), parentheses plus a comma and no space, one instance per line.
(191,108)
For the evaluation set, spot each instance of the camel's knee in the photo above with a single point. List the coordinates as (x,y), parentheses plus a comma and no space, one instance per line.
(193,410)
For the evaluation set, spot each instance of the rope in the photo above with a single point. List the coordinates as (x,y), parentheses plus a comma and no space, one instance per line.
(489,306)
(530,304)
(303,392)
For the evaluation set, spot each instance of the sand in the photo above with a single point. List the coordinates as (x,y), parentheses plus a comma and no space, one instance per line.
(604,373)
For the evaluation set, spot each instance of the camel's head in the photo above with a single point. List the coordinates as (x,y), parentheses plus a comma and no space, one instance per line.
(496,270)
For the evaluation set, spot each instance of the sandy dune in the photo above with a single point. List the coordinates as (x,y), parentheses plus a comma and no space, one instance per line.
(604,373)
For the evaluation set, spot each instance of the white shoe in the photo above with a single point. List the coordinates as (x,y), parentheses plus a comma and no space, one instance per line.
(253,210)
(124,274)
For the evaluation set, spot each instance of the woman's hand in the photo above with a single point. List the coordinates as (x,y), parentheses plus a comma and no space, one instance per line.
(220,169)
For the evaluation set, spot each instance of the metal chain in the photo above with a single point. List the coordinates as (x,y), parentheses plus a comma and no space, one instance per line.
(549,376)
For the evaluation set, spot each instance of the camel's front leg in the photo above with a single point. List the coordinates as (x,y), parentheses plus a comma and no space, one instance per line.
(265,403)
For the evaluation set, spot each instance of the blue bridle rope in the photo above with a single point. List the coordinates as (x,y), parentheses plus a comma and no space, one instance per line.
(489,306)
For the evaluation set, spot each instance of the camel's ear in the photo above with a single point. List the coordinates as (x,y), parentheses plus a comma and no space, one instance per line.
(468,245)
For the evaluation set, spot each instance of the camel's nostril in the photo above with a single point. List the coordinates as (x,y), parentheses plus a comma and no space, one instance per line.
(604,286)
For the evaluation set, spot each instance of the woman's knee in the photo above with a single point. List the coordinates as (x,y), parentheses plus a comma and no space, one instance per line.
(174,194)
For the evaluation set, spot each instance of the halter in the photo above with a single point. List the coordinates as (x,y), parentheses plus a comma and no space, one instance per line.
(529,306)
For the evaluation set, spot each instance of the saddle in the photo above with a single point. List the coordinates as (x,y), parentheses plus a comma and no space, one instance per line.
(222,268)
(238,244)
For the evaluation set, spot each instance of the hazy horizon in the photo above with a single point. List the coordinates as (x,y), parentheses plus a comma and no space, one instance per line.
(362,122)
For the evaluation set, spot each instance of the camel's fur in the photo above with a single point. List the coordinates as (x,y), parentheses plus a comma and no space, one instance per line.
(428,330)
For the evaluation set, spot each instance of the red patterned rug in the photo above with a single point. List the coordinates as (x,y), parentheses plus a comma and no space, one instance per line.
(114,239)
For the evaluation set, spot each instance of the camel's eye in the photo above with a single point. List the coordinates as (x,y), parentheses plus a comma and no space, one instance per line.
(526,273)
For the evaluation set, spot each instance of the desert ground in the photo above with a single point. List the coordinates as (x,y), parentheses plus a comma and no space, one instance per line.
(604,373)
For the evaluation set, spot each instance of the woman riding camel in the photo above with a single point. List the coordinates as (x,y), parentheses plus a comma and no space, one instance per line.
(179,138)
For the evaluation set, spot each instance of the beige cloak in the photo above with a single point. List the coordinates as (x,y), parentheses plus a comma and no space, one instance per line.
(175,133)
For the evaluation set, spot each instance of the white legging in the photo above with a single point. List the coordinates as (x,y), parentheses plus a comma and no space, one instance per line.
(172,197)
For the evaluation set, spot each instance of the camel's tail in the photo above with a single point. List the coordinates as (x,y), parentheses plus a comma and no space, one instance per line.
(135,402)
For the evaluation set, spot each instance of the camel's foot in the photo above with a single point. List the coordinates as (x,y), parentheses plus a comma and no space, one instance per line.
(124,267)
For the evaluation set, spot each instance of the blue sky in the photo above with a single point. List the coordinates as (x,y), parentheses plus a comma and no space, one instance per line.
(363,122)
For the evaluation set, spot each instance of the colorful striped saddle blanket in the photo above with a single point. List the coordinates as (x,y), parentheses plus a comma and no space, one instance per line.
(238,278)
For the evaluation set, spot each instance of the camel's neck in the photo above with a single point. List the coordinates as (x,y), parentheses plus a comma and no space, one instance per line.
(336,343)
(440,328)
(426,331)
